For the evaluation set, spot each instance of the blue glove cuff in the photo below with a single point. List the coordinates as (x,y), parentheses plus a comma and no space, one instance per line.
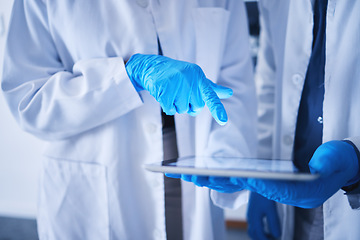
(132,68)
(355,180)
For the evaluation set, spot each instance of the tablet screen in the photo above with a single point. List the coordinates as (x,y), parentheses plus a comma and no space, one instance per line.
(233,167)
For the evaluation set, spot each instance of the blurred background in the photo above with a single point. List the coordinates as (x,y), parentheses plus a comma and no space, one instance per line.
(20,158)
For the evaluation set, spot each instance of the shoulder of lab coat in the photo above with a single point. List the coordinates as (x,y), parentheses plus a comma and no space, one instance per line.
(53,101)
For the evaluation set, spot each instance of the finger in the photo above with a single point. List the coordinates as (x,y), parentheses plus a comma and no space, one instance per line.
(252,233)
(196,103)
(221,91)
(261,234)
(182,99)
(266,187)
(321,162)
(186,177)
(168,110)
(193,113)
(326,159)
(213,102)
(254,214)
(219,180)
(273,221)
(195,108)
(224,184)
(257,232)
(181,106)
(222,190)
(167,99)
(273,190)
(241,182)
(173,175)
(300,194)
(200,181)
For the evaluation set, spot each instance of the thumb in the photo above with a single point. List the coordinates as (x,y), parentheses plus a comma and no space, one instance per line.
(326,159)
(273,221)
(173,175)
(213,102)
(221,91)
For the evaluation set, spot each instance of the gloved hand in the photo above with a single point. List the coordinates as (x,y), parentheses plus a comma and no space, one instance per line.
(335,161)
(260,208)
(220,184)
(179,87)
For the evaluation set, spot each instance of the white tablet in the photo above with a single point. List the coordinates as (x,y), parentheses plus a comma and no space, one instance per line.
(233,167)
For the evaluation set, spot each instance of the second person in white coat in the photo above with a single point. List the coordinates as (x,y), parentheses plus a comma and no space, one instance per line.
(293,34)
(308,85)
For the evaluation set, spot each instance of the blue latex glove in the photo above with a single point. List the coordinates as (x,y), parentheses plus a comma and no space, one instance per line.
(179,87)
(335,161)
(260,208)
(220,184)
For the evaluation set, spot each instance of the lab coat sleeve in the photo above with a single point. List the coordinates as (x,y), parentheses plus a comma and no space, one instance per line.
(355,141)
(265,87)
(48,100)
(354,195)
(238,137)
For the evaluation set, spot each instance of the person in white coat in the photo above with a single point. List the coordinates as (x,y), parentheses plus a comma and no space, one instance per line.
(307,81)
(286,46)
(65,81)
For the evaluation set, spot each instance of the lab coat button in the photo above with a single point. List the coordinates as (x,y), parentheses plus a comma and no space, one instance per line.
(288,139)
(142,3)
(297,79)
(151,128)
(320,120)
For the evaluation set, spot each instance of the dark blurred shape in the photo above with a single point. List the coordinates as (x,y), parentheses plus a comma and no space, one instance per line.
(18,229)
(254,28)
(253,16)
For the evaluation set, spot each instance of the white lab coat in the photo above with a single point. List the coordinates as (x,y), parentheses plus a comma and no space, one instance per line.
(65,82)
(285,49)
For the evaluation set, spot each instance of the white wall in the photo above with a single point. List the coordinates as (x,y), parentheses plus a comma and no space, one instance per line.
(19,152)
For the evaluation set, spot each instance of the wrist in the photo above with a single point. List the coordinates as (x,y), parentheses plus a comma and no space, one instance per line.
(354,182)
(132,69)
(352,189)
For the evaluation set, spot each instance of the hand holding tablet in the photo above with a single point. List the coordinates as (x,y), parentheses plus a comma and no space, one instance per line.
(333,166)
(232,167)
(224,174)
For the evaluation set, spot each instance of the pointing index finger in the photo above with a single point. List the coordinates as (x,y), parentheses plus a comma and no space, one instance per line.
(213,102)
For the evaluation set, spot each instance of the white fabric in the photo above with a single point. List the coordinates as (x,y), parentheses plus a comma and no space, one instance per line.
(230,200)
(286,43)
(65,82)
